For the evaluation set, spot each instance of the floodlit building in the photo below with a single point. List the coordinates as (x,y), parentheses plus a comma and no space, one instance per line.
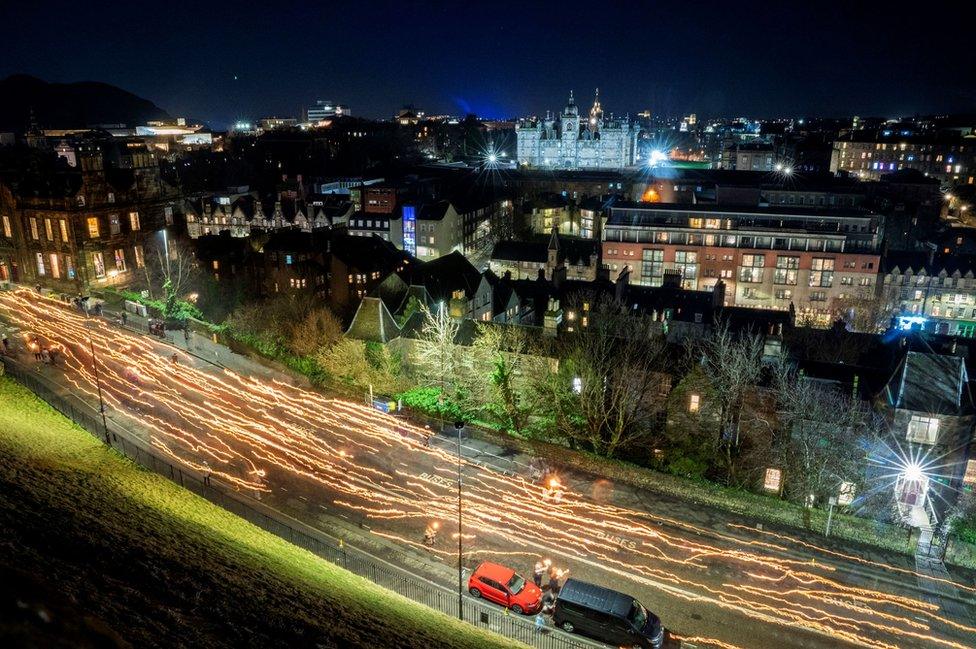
(574,141)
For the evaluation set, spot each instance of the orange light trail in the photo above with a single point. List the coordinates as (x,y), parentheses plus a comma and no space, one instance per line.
(256,435)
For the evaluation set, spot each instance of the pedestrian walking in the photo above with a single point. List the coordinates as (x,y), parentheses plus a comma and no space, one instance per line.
(207,472)
(186,335)
(45,356)
(540,569)
(175,359)
(53,353)
(125,318)
(430,533)
(554,577)
(540,622)
(35,346)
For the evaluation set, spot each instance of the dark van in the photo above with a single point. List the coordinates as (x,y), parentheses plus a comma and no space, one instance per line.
(606,615)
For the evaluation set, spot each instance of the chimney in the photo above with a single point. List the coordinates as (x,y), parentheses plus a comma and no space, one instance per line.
(623,280)
(718,295)
(553,317)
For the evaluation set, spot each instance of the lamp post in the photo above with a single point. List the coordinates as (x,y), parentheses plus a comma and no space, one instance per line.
(459,425)
(98,383)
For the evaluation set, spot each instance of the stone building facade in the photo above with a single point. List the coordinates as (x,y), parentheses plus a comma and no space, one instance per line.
(574,141)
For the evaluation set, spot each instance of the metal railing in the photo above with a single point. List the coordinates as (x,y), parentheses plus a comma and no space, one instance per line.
(379,571)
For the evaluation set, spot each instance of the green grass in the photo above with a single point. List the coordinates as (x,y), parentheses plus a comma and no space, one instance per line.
(135,556)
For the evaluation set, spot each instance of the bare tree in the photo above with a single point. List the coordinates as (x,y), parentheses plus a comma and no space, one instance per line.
(823,438)
(170,272)
(734,364)
(606,393)
(438,360)
(318,329)
(865,311)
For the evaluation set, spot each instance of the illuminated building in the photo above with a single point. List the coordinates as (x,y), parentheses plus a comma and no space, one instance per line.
(815,261)
(325,109)
(572,141)
(871,156)
(90,225)
(931,293)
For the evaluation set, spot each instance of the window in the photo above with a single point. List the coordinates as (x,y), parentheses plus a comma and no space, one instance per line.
(846,280)
(98,261)
(822,272)
(40,265)
(687,263)
(49,229)
(752,269)
(786,270)
(93,227)
(924,430)
(694,402)
(818,296)
(140,259)
(134,221)
(63,225)
(288,260)
(55,266)
(114,224)
(652,267)
(120,260)
(726,273)
(7,230)
(33,228)
(970,475)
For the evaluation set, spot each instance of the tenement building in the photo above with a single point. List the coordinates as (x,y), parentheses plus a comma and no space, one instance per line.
(90,224)
(818,262)
(869,156)
(574,141)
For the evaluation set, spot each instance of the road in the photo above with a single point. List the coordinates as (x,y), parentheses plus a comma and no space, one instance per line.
(306,452)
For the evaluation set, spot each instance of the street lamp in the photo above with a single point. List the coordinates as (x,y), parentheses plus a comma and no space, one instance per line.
(459,426)
(98,384)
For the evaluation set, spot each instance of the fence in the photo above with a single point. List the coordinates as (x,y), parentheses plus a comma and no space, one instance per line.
(377,570)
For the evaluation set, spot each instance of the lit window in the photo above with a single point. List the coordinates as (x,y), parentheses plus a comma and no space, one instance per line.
(970,476)
(577,384)
(40,265)
(93,227)
(49,229)
(924,430)
(134,220)
(140,259)
(694,402)
(98,261)
(120,260)
(33,228)
(215,265)
(63,225)
(114,224)
(7,229)
(55,266)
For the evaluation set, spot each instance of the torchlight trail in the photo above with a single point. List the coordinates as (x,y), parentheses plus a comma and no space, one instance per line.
(252,433)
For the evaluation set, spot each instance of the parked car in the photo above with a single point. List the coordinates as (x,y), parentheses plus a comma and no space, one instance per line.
(504,586)
(606,615)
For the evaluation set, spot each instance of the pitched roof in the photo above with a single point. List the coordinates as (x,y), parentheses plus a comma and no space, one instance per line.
(525,251)
(931,383)
(373,322)
(444,275)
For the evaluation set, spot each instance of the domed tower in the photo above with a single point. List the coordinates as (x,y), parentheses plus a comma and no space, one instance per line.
(596,114)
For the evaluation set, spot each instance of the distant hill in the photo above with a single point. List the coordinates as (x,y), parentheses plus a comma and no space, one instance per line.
(70,105)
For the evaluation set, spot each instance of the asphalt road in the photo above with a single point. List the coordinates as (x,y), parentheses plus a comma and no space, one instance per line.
(312,455)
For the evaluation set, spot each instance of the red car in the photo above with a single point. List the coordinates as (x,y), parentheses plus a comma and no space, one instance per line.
(504,586)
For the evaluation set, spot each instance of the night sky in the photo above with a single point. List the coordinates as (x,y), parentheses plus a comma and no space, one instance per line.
(222,61)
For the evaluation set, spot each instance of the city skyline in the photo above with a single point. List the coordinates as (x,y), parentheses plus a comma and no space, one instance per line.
(720,60)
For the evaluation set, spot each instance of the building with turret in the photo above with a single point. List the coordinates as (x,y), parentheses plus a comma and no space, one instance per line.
(574,141)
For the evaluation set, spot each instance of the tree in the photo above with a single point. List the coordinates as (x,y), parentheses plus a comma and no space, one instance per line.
(361,364)
(438,361)
(866,312)
(606,391)
(319,328)
(734,364)
(500,362)
(171,271)
(823,438)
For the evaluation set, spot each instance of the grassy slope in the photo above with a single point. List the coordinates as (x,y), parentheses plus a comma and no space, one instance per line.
(112,554)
